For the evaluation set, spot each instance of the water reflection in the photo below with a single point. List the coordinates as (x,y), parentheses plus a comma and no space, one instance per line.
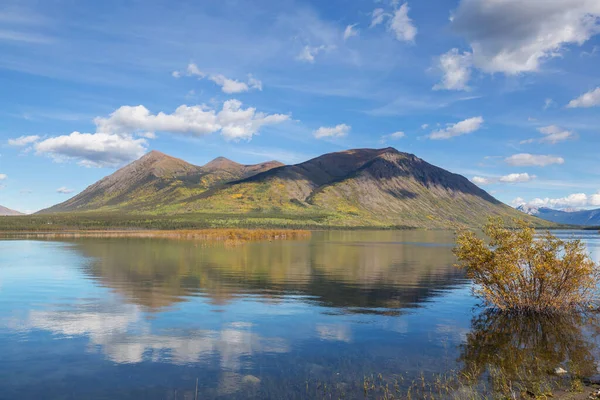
(523,350)
(365,274)
(143,318)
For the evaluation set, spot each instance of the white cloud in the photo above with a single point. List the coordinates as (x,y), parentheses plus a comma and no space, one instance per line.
(517,178)
(64,190)
(340,130)
(254,83)
(461,128)
(3,177)
(229,85)
(193,70)
(478,180)
(586,100)
(23,140)
(532,160)
(93,149)
(554,134)
(350,31)
(237,123)
(515,36)
(402,26)
(456,68)
(548,103)
(511,178)
(377,16)
(424,126)
(571,201)
(309,53)
(393,136)
(232,121)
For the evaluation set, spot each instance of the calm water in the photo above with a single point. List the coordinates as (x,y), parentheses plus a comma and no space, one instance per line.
(147,318)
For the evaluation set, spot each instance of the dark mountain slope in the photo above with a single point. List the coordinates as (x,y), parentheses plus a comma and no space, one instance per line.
(362,187)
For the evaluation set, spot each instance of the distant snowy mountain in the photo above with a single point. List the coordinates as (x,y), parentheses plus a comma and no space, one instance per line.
(569,217)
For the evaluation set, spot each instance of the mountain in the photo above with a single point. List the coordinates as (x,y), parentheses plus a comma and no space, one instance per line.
(568,217)
(362,187)
(154,181)
(7,211)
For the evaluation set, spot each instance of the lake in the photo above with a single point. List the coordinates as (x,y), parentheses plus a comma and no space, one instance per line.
(168,319)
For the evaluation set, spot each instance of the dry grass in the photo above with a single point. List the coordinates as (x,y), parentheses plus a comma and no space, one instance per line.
(228,236)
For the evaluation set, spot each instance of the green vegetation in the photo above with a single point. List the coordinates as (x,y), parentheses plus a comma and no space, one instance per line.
(119,221)
(519,271)
(380,188)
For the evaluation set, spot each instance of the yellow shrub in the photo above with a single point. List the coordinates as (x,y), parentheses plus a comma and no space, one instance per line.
(518,271)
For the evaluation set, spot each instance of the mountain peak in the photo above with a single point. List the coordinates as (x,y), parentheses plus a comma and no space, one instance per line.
(221,163)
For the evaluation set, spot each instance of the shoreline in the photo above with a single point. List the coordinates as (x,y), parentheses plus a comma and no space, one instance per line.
(217,234)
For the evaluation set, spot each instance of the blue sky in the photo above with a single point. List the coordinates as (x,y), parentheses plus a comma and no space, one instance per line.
(505,93)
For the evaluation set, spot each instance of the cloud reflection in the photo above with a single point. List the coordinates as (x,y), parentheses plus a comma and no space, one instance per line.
(124,336)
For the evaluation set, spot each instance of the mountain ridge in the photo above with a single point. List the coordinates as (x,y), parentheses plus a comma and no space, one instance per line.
(5,212)
(358,187)
(568,217)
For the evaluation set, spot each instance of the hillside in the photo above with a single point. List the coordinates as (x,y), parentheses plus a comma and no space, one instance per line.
(363,187)
(156,180)
(581,217)
(7,211)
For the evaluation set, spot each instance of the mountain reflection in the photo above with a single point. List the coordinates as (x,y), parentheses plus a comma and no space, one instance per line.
(358,271)
(524,349)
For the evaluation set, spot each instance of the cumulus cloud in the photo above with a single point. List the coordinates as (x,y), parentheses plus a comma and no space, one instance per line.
(513,36)
(237,123)
(23,141)
(424,126)
(64,190)
(232,121)
(191,70)
(576,200)
(533,160)
(460,128)
(586,100)
(340,130)
(3,177)
(511,178)
(456,69)
(401,24)
(93,149)
(479,180)
(350,31)
(517,178)
(229,85)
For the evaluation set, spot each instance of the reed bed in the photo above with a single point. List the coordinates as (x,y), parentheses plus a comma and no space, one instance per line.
(229,236)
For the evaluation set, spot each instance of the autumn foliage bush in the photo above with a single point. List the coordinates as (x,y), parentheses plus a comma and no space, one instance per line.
(517,270)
